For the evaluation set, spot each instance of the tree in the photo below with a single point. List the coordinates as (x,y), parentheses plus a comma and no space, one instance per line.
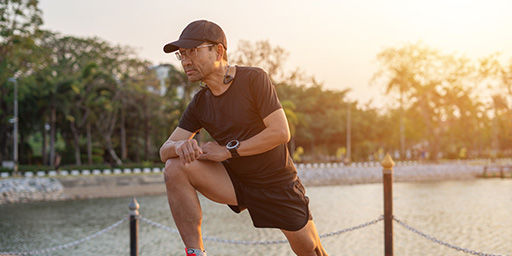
(262,54)
(141,103)
(399,70)
(19,25)
(498,79)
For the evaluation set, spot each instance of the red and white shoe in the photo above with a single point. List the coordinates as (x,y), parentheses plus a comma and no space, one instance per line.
(194,252)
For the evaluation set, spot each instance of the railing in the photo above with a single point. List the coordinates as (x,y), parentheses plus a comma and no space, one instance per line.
(388,218)
(502,169)
(507,162)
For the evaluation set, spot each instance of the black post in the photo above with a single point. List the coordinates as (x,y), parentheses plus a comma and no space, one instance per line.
(134,227)
(387,179)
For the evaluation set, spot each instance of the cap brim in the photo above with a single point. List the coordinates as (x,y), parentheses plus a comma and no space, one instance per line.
(182,43)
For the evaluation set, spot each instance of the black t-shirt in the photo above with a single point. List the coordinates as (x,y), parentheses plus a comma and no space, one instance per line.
(238,113)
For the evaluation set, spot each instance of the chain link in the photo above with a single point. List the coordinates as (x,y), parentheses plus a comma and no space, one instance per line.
(67,245)
(267,242)
(249,242)
(335,233)
(158,225)
(435,240)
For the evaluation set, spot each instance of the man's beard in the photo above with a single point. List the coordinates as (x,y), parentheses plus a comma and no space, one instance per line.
(196,77)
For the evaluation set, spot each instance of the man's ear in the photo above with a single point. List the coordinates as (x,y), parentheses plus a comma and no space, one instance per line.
(220,51)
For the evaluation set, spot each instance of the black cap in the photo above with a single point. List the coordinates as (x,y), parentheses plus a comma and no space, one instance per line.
(196,33)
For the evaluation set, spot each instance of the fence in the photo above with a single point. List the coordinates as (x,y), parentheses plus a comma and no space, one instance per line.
(487,163)
(134,220)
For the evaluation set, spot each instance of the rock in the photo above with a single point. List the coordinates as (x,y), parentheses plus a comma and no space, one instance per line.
(29,189)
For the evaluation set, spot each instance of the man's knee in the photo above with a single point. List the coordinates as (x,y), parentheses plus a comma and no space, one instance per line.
(306,248)
(173,170)
(176,171)
(305,242)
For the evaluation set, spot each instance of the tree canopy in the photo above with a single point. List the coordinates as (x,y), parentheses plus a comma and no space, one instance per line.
(90,101)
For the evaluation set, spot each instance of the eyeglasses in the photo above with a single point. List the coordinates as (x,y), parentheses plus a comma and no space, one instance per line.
(187,53)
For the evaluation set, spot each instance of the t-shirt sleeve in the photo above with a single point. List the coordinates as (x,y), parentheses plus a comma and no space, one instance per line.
(188,120)
(265,95)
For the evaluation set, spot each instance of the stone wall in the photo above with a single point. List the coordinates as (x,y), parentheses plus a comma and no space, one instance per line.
(357,175)
(30,189)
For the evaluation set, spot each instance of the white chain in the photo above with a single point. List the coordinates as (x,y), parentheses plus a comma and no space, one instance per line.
(267,242)
(435,240)
(67,245)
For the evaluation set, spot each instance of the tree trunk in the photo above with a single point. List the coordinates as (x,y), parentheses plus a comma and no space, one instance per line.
(22,158)
(111,151)
(124,153)
(146,138)
(89,143)
(52,134)
(43,147)
(137,152)
(3,143)
(146,146)
(495,143)
(76,143)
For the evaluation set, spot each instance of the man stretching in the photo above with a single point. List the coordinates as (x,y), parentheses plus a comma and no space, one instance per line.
(248,166)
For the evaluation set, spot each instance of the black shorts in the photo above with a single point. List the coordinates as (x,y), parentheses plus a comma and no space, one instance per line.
(284,207)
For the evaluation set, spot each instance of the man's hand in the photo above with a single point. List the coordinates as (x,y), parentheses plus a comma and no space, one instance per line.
(214,152)
(188,150)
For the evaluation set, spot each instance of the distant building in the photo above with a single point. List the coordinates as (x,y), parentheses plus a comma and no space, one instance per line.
(162,73)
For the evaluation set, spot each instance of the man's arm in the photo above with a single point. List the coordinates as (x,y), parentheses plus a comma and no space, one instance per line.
(180,144)
(275,133)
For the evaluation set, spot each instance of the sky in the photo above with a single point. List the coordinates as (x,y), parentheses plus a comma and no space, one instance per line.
(335,41)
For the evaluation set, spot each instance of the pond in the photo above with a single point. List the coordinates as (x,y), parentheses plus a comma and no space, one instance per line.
(475,214)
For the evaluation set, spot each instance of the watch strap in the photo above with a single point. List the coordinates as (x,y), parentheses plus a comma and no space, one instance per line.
(234,153)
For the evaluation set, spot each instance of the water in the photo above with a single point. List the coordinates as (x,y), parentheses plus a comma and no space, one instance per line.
(472,214)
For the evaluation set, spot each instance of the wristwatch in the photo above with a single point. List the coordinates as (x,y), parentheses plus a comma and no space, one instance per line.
(232,146)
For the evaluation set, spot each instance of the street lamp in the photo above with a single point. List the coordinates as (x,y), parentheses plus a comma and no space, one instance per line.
(15,121)
(349,135)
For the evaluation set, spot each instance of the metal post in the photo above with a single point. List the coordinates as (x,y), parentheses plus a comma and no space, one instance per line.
(349,136)
(134,227)
(15,128)
(387,178)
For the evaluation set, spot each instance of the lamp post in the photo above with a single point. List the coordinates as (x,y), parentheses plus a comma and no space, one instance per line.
(15,126)
(349,136)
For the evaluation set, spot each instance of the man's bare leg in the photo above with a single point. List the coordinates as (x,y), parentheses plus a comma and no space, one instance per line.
(305,242)
(182,181)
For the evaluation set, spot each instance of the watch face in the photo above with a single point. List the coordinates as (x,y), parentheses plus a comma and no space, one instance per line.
(233,144)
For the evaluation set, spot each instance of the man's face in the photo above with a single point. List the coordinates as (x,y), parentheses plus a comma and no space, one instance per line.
(198,62)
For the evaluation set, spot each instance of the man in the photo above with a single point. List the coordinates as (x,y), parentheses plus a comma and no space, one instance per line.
(248,167)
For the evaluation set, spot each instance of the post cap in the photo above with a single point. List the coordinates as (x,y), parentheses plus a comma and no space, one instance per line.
(134,205)
(387,162)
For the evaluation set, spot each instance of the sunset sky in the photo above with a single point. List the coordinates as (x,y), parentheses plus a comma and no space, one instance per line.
(335,41)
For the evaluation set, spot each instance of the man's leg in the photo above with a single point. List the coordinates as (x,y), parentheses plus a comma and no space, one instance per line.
(182,181)
(305,242)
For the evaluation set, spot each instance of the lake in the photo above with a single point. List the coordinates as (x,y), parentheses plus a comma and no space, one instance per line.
(474,214)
